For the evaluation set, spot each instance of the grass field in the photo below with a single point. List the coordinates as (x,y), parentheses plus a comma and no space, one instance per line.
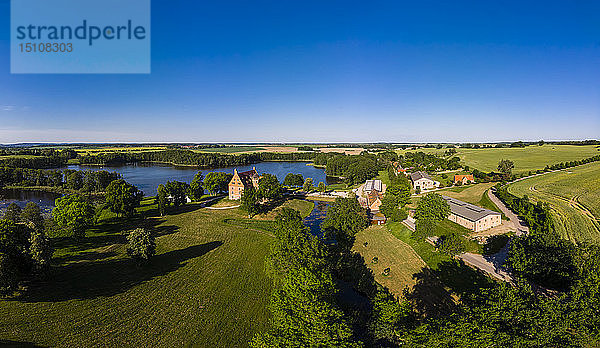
(391,252)
(526,159)
(205,287)
(574,197)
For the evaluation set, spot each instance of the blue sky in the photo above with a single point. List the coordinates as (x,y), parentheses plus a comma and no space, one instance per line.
(302,71)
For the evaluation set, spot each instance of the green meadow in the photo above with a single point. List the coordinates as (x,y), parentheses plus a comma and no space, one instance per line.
(205,287)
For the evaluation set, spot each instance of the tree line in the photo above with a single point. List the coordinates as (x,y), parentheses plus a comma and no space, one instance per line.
(188,157)
(86,181)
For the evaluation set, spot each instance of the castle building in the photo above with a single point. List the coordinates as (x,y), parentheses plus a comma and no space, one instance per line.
(241,181)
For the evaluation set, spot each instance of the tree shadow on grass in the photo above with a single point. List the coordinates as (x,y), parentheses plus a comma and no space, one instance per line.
(10,344)
(432,294)
(429,296)
(88,280)
(112,231)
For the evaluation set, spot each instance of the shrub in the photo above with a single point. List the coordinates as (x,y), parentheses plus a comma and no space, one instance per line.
(452,244)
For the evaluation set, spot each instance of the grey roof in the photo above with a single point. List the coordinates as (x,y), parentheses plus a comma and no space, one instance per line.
(419,175)
(467,210)
(371,185)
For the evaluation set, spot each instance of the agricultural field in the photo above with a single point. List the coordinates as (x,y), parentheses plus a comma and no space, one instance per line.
(205,287)
(530,158)
(574,197)
(101,150)
(231,149)
(390,252)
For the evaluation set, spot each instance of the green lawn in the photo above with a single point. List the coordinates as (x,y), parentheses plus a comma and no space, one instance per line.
(574,197)
(390,252)
(427,252)
(205,287)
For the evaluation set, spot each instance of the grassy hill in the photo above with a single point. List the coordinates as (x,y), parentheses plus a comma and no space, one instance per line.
(574,196)
(391,252)
(205,287)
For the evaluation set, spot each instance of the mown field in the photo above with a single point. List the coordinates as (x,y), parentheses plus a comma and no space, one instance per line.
(205,287)
(574,197)
(390,252)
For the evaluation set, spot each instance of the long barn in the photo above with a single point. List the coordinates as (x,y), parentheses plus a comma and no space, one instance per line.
(471,216)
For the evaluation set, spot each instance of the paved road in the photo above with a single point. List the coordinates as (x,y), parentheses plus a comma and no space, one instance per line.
(517,223)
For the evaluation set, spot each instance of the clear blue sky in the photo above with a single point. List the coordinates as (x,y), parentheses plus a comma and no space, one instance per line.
(289,71)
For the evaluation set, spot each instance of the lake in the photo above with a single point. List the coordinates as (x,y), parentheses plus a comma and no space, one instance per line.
(44,199)
(147,177)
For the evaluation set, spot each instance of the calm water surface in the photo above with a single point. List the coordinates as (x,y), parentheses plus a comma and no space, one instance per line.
(44,199)
(147,177)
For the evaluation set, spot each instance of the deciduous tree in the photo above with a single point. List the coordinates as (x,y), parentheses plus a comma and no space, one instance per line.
(73,213)
(122,198)
(141,244)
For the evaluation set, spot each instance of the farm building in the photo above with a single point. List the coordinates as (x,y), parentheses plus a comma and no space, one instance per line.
(370,197)
(464,178)
(374,185)
(423,181)
(471,216)
(241,181)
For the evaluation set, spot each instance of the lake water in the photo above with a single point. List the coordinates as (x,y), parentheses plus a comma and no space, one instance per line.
(147,177)
(44,199)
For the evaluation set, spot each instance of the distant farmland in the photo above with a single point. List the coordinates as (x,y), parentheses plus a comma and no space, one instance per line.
(574,196)
(526,159)
(530,158)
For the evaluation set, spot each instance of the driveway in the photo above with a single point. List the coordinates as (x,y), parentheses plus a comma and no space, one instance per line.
(516,222)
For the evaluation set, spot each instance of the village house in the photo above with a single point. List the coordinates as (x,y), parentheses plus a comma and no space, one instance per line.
(423,181)
(241,181)
(398,168)
(471,216)
(464,179)
(369,197)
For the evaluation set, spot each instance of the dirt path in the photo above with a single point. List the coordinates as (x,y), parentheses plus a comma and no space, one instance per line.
(517,223)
